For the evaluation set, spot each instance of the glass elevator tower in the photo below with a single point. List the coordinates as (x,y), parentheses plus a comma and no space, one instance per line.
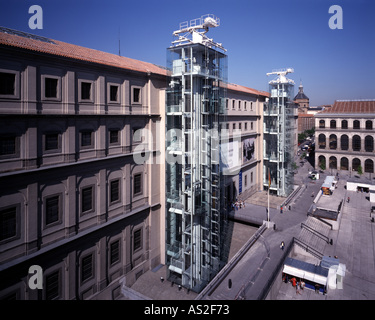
(279,131)
(195,104)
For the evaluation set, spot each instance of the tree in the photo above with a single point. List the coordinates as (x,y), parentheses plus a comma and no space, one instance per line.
(360,170)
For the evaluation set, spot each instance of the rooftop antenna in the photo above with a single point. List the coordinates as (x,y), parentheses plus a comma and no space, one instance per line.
(195,31)
(119,43)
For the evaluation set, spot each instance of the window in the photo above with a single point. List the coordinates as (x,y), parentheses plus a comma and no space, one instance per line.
(251,106)
(369,166)
(50,87)
(51,141)
(245,126)
(113,136)
(52,209)
(136,95)
(322,124)
(239,125)
(246,180)
(115,190)
(87,203)
(245,107)
(344,142)
(113,93)
(8,223)
(332,162)
(251,177)
(86,90)
(356,143)
(239,105)
(137,244)
(344,164)
(114,252)
(227,126)
(369,144)
(227,104)
(234,126)
(137,184)
(333,124)
(87,271)
(369,125)
(86,139)
(332,141)
(9,145)
(7,83)
(233,104)
(356,124)
(355,164)
(322,141)
(52,286)
(344,124)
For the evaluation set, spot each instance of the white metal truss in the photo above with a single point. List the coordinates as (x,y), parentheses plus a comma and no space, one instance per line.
(195,32)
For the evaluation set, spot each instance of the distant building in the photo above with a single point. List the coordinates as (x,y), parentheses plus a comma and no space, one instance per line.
(305,122)
(302,100)
(344,136)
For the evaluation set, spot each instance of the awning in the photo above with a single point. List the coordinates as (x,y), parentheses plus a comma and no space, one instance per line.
(305,275)
(307,271)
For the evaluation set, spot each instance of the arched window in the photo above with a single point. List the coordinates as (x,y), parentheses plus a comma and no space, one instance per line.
(356,124)
(355,164)
(332,124)
(332,141)
(356,143)
(344,163)
(369,166)
(322,162)
(332,162)
(344,142)
(322,141)
(369,144)
(344,124)
(369,125)
(322,124)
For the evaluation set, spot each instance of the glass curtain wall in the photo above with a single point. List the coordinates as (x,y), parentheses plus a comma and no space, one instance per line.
(279,134)
(195,210)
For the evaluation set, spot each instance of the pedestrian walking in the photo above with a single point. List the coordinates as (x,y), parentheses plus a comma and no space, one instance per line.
(282,245)
(348,199)
(302,284)
(297,288)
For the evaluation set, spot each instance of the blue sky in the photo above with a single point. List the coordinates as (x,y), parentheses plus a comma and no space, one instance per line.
(260,35)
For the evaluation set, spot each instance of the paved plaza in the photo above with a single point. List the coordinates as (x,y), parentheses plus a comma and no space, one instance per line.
(253,274)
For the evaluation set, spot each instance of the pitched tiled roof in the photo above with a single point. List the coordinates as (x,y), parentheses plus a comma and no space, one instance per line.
(351,106)
(13,38)
(236,87)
